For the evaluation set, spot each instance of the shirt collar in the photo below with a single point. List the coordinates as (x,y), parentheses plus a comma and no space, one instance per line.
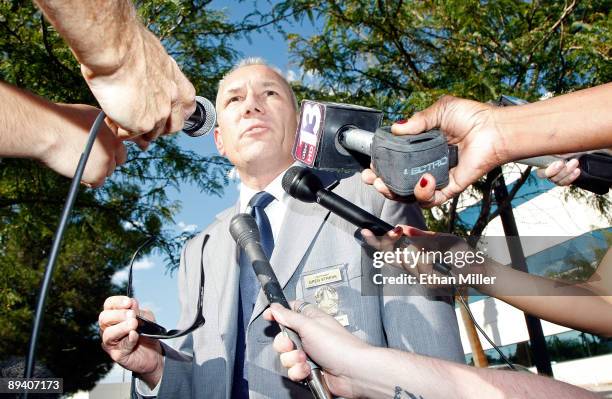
(275,188)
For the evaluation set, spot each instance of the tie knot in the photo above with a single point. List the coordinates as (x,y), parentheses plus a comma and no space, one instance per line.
(261,200)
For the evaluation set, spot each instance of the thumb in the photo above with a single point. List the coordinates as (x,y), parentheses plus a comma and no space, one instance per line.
(429,118)
(425,190)
(287,317)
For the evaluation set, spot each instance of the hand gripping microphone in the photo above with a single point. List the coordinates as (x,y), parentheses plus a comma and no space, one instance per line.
(347,138)
(302,184)
(203,120)
(245,232)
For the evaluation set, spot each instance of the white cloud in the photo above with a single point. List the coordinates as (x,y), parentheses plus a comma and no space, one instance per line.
(129,225)
(122,275)
(310,74)
(291,76)
(189,228)
(143,264)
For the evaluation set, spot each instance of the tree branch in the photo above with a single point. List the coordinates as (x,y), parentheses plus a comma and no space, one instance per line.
(525,67)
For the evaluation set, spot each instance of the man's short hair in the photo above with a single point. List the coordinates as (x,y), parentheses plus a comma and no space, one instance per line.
(260,61)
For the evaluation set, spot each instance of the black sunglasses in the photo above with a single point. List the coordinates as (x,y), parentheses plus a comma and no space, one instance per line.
(150,329)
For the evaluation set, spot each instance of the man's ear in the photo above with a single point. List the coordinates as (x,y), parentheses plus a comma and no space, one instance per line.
(219,141)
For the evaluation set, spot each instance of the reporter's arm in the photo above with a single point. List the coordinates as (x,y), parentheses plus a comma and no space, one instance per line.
(56,134)
(573,122)
(355,369)
(137,84)
(590,302)
(488,136)
(401,373)
(101,33)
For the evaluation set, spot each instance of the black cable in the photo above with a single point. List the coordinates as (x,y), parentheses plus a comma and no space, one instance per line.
(504,358)
(55,246)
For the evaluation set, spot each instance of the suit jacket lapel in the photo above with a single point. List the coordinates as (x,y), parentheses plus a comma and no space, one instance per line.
(300,225)
(225,273)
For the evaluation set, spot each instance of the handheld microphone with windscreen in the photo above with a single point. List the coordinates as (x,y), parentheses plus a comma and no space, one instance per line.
(245,232)
(203,120)
(344,137)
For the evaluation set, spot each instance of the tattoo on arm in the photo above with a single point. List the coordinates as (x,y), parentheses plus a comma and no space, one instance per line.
(403,394)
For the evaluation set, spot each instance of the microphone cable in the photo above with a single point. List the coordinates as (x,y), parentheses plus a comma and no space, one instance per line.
(484,334)
(55,246)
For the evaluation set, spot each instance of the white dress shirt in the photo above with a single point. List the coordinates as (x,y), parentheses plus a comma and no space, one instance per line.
(275,210)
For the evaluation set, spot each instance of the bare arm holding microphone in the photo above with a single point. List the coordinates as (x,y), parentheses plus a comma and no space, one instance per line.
(137,84)
(55,134)
(589,300)
(488,136)
(354,369)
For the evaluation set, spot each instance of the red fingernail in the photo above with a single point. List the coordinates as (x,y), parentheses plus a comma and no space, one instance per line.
(401,121)
(397,229)
(423,182)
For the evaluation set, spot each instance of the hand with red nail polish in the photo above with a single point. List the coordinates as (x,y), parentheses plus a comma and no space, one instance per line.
(468,124)
(488,136)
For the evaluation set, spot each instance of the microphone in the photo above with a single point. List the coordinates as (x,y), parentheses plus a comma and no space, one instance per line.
(346,138)
(245,232)
(302,184)
(203,120)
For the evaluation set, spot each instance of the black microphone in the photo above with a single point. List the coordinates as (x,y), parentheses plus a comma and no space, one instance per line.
(302,184)
(203,120)
(245,232)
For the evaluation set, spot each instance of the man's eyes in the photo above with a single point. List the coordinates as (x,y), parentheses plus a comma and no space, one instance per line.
(233,99)
(266,93)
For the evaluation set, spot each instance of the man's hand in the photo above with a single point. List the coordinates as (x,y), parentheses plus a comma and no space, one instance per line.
(146,93)
(124,345)
(468,124)
(64,144)
(327,343)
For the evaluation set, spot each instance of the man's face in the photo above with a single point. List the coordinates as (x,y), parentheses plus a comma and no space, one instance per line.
(256,118)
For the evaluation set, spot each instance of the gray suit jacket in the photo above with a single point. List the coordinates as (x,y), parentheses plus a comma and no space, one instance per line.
(311,240)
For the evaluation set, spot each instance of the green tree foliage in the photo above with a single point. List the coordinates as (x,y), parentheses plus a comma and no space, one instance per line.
(108,223)
(400,55)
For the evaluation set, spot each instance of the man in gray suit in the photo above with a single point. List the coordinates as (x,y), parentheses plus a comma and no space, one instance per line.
(315,256)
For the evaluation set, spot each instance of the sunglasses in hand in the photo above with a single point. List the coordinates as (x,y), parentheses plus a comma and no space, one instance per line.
(149,328)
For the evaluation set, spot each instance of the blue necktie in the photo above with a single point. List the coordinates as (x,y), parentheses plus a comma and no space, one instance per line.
(249,289)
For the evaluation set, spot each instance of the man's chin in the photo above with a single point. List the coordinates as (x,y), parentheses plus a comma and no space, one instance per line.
(263,157)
